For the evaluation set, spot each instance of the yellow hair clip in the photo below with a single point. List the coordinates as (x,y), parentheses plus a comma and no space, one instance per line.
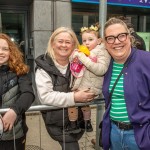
(83,29)
(94,28)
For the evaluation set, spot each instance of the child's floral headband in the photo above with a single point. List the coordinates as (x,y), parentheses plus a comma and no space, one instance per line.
(84,29)
(93,28)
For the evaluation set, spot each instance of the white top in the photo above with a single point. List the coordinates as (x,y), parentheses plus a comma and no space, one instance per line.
(45,90)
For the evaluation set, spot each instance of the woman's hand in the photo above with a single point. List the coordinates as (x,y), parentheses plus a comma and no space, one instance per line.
(8,119)
(83,96)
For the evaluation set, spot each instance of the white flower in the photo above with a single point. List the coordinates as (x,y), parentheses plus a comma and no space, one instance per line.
(95,28)
(83,29)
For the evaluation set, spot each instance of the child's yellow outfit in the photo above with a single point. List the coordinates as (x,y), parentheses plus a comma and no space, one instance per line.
(91,78)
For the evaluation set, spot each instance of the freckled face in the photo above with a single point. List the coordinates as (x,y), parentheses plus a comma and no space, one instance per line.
(118,50)
(63,46)
(4,52)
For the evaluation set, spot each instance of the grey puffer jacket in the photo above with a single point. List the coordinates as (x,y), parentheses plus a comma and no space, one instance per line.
(16,93)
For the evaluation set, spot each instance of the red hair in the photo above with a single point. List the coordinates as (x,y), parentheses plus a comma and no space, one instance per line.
(16,61)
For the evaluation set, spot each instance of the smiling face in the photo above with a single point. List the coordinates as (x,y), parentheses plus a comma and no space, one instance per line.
(4,52)
(63,46)
(90,40)
(118,50)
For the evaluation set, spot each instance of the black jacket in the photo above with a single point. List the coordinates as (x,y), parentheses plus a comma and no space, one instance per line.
(139,42)
(16,93)
(54,118)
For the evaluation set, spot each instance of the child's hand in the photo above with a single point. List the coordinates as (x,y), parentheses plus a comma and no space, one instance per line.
(75,54)
(84,50)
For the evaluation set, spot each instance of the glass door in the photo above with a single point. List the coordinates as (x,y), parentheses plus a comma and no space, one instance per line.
(14,24)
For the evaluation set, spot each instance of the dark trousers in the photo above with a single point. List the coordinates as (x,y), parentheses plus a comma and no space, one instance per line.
(9,145)
(70,146)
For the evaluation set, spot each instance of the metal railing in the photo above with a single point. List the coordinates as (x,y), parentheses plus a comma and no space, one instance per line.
(99,103)
(49,107)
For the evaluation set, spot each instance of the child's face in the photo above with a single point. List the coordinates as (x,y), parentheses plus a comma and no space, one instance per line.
(4,52)
(90,40)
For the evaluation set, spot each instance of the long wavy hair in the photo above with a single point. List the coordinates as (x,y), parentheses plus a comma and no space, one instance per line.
(59,30)
(16,60)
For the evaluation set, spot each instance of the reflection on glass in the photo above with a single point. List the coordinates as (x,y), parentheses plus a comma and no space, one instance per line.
(13,25)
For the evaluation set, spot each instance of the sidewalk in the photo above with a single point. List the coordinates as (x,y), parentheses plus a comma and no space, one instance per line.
(38,137)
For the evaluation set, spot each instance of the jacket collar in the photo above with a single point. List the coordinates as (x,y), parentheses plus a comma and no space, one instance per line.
(4,68)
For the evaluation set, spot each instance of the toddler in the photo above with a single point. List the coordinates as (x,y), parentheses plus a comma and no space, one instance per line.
(88,66)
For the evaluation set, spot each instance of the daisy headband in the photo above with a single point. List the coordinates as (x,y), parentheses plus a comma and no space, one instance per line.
(93,28)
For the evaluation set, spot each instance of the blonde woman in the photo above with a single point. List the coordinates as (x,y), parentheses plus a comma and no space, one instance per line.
(53,78)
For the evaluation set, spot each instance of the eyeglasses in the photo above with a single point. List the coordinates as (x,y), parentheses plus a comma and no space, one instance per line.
(121,37)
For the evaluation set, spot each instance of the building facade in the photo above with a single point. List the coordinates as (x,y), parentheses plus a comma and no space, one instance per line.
(31,22)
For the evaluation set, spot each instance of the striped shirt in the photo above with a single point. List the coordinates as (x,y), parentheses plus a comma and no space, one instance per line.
(118,111)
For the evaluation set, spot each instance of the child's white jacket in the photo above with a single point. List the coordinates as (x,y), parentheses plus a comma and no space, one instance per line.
(94,71)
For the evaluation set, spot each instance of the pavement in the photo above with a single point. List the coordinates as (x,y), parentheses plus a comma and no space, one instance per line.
(38,138)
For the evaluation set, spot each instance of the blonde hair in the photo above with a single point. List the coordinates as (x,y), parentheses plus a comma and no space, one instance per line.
(59,30)
(93,28)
